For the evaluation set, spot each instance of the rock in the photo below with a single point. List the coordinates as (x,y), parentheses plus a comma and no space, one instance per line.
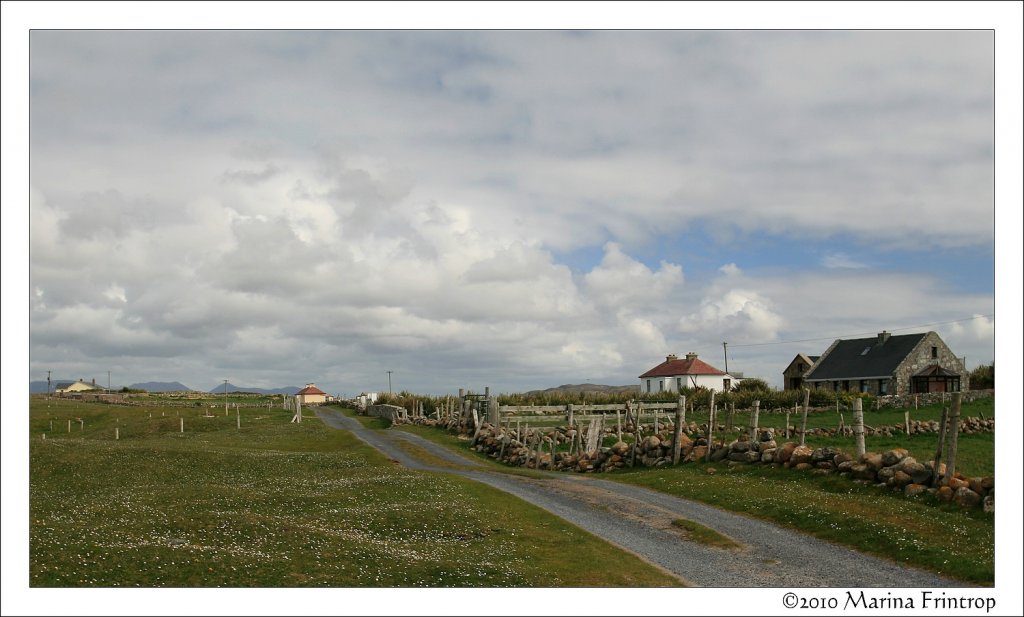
(901,479)
(766,434)
(801,454)
(711,471)
(768,445)
(945,493)
(719,454)
(989,504)
(913,490)
(872,460)
(823,454)
(802,466)
(697,453)
(752,457)
(621,448)
(739,446)
(785,452)
(886,474)
(919,473)
(988,483)
(975,485)
(845,466)
(738,456)
(652,442)
(863,471)
(894,456)
(768,456)
(841,458)
(827,465)
(966,498)
(958,483)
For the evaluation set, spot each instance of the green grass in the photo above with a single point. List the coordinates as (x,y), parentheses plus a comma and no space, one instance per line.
(917,532)
(705,535)
(276,504)
(449,440)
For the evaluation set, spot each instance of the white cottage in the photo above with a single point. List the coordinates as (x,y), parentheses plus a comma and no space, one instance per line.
(311,395)
(674,374)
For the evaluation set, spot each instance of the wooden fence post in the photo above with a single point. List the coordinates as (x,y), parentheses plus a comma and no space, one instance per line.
(711,427)
(677,434)
(570,417)
(787,425)
(858,426)
(618,424)
(954,433)
(803,427)
(181,421)
(754,417)
(117,434)
(906,421)
(731,421)
(936,481)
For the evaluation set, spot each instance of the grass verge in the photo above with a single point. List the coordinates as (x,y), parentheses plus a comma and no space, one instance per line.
(276,504)
(704,535)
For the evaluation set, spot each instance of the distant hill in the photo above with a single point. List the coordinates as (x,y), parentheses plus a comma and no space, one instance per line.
(586,388)
(220,389)
(161,386)
(39,387)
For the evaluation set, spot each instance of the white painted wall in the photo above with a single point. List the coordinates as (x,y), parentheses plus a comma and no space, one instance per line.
(669,384)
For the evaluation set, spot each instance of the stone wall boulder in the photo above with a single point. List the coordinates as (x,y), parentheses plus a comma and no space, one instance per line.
(823,454)
(894,456)
(785,452)
(800,455)
(872,460)
(966,498)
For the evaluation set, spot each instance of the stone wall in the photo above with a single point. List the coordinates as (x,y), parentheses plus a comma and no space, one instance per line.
(393,413)
(921,358)
(538,449)
(928,398)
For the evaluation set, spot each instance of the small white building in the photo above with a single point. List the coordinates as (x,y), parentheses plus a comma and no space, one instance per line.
(366,399)
(76,386)
(311,395)
(674,374)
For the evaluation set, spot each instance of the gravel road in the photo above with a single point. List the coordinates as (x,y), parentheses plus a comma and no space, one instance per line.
(639,520)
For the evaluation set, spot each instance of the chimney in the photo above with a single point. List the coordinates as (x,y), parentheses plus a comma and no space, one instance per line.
(94,381)
(883,336)
(670,357)
(691,356)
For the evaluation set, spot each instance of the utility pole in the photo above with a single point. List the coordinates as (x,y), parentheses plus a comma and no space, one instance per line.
(47,383)
(108,381)
(726,350)
(389,382)
(225,397)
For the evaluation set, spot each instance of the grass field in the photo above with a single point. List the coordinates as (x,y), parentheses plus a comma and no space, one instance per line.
(919,532)
(275,504)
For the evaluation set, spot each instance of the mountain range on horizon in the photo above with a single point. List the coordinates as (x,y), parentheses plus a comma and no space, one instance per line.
(40,387)
(229,387)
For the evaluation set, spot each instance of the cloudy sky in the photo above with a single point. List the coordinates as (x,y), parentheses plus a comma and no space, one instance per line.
(516,209)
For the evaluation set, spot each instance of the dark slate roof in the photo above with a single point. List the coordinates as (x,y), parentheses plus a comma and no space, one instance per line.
(847,359)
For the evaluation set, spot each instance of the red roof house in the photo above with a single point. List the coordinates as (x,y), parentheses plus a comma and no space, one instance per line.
(692,372)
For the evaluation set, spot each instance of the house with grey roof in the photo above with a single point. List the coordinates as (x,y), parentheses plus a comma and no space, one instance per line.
(887,364)
(793,376)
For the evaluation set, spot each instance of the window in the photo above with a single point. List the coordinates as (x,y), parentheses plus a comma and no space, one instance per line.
(800,367)
(935,352)
(726,384)
(648,385)
(846,385)
(679,383)
(661,385)
(864,385)
(865,352)
(883,386)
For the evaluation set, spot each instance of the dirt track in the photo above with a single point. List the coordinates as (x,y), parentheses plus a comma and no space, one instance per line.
(639,521)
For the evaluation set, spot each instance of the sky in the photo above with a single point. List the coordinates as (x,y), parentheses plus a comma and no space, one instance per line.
(512,209)
(495,195)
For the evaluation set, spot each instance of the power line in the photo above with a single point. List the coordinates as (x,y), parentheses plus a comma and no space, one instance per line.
(846,336)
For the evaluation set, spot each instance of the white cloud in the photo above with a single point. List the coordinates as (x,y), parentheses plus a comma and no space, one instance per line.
(841,260)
